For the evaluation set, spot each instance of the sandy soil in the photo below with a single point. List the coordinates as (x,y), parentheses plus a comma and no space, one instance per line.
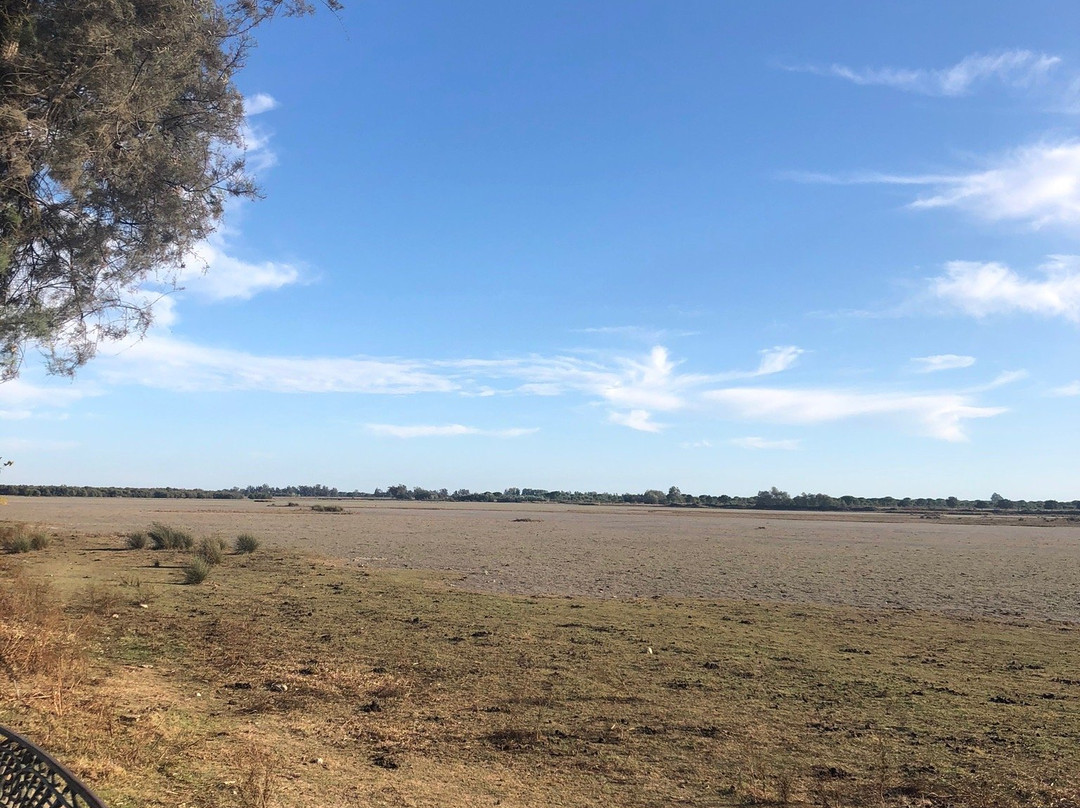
(1017,568)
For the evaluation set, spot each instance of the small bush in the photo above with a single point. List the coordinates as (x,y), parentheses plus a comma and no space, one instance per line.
(209,550)
(327,509)
(165,537)
(195,571)
(246,543)
(17,543)
(18,538)
(138,540)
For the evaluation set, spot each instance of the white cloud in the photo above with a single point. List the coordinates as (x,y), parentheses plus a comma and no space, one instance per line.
(1037,185)
(932,364)
(174,364)
(778,359)
(443,431)
(940,415)
(1002,379)
(1068,390)
(633,388)
(636,332)
(21,399)
(259,103)
(215,275)
(981,289)
(635,419)
(649,382)
(753,442)
(1013,68)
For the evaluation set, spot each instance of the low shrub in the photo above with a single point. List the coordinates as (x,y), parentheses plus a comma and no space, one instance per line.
(17,543)
(138,540)
(165,537)
(196,571)
(20,539)
(327,509)
(209,550)
(246,543)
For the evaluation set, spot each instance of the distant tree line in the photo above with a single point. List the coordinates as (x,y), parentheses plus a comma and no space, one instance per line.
(773,499)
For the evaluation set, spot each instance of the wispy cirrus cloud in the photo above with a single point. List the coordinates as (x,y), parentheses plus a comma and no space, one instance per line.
(21,399)
(778,359)
(1011,68)
(939,415)
(938,362)
(632,389)
(982,289)
(640,420)
(445,431)
(753,442)
(1067,390)
(638,333)
(174,364)
(1036,185)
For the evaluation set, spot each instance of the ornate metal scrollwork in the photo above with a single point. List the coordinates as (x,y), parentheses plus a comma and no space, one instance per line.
(31,778)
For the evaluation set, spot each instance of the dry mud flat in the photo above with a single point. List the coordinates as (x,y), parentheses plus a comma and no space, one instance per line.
(1024,568)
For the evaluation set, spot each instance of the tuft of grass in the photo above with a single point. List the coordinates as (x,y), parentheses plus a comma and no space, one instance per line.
(210,551)
(165,537)
(19,543)
(19,538)
(37,640)
(138,540)
(327,509)
(246,543)
(196,571)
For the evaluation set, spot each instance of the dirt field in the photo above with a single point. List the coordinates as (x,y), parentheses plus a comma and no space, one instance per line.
(731,670)
(1024,568)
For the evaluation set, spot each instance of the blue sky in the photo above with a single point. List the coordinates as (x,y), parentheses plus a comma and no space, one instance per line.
(620,245)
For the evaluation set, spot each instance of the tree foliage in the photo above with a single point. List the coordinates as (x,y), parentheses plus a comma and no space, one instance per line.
(121,136)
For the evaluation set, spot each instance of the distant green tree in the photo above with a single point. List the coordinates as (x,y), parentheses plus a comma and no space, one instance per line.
(774,498)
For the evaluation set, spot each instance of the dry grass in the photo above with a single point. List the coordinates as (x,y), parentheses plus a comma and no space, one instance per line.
(22,538)
(297,681)
(41,648)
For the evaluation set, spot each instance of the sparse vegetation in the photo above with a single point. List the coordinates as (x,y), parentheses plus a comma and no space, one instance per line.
(196,571)
(17,543)
(19,538)
(327,509)
(711,702)
(138,540)
(210,551)
(246,543)
(39,645)
(165,537)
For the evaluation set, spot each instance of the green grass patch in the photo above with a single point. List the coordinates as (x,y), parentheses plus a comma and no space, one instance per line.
(245,543)
(196,571)
(138,540)
(210,551)
(166,537)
